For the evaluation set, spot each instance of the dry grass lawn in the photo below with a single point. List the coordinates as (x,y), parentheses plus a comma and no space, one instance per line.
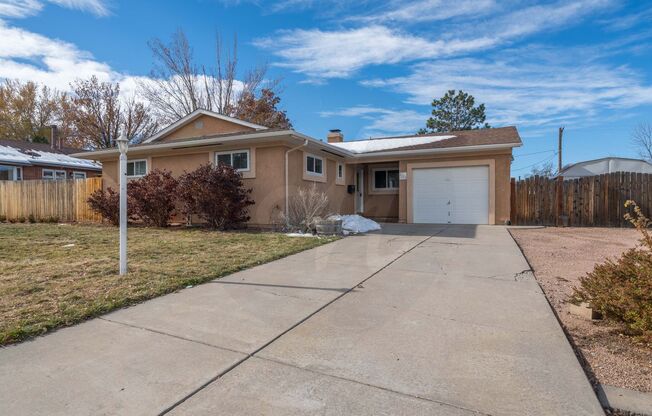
(57,275)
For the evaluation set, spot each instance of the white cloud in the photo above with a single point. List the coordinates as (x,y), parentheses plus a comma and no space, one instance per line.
(411,12)
(382,121)
(25,8)
(341,53)
(534,93)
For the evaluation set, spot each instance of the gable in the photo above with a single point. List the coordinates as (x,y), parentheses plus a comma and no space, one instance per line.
(204,125)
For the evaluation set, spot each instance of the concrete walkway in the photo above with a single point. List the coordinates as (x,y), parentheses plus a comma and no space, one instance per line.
(436,320)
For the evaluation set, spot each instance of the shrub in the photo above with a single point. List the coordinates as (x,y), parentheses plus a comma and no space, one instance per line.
(53,220)
(304,207)
(216,194)
(22,219)
(107,204)
(3,218)
(31,218)
(12,220)
(622,288)
(152,198)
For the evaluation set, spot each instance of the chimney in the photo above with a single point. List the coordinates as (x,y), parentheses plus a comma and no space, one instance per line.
(335,136)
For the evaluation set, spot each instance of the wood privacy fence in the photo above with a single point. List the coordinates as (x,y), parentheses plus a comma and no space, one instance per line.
(64,200)
(589,201)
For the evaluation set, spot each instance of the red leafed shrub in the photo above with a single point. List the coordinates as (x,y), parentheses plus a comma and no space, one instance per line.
(107,204)
(216,194)
(152,198)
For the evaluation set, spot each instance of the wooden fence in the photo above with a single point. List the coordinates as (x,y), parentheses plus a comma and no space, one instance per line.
(64,200)
(589,201)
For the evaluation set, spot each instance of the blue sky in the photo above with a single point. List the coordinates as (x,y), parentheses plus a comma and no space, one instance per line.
(372,68)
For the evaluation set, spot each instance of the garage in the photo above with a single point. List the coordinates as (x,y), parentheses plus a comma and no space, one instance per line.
(451,195)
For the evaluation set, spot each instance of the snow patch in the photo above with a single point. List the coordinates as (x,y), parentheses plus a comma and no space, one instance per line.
(13,155)
(300,235)
(374,145)
(356,223)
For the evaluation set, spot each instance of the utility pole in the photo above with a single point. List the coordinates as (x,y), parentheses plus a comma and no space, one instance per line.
(560,183)
(561,135)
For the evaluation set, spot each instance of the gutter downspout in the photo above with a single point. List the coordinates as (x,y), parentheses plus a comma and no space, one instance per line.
(287,180)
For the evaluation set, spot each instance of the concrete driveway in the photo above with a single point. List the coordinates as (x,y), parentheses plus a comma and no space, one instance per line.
(436,320)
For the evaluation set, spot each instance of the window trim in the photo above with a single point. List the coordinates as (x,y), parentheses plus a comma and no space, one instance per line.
(387,170)
(54,174)
(231,152)
(79,173)
(340,180)
(134,162)
(16,172)
(323,165)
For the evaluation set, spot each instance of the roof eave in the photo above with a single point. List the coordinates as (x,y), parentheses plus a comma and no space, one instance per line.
(438,150)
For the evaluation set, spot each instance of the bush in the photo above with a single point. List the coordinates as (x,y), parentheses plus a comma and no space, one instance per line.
(53,220)
(152,198)
(622,288)
(22,219)
(31,218)
(3,218)
(107,204)
(305,207)
(216,194)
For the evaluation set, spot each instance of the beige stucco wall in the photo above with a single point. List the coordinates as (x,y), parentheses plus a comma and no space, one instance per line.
(210,126)
(268,183)
(379,205)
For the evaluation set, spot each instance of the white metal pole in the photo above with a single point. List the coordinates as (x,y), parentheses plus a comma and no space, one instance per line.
(123,213)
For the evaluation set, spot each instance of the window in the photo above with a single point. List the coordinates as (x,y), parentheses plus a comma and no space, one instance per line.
(10,173)
(238,159)
(340,171)
(79,175)
(386,179)
(136,168)
(52,174)
(19,174)
(314,165)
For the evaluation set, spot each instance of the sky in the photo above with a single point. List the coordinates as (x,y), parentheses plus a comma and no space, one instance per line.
(372,68)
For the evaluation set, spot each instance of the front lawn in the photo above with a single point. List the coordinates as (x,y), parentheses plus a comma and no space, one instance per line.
(58,275)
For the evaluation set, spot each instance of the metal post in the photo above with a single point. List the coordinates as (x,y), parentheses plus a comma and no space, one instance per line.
(122,144)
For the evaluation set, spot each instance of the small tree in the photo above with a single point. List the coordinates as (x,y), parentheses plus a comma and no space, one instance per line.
(262,110)
(454,112)
(545,169)
(642,139)
(216,194)
(153,197)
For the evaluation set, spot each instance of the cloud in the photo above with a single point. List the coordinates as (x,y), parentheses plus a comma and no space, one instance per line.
(535,92)
(382,121)
(25,8)
(426,11)
(341,53)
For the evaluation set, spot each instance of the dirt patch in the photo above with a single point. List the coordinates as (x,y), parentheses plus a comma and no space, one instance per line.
(559,257)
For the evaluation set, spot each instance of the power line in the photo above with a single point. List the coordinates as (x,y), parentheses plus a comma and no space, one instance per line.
(534,153)
(538,163)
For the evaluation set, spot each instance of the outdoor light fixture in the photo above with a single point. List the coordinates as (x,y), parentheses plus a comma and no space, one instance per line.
(123,145)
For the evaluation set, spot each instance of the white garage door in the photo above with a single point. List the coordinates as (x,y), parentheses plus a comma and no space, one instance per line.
(451,195)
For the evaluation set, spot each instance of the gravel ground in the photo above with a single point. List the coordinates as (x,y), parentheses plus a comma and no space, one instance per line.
(559,257)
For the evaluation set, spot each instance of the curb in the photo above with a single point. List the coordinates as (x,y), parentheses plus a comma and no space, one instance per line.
(618,398)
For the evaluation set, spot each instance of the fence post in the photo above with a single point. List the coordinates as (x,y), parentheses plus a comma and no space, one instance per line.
(559,200)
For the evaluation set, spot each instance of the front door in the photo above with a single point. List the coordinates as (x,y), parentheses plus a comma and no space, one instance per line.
(359,191)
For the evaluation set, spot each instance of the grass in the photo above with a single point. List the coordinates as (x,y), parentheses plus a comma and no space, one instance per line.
(47,282)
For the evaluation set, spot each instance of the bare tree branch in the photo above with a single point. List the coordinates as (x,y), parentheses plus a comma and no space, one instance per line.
(642,139)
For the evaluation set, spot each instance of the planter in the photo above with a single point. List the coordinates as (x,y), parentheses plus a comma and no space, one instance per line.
(329,227)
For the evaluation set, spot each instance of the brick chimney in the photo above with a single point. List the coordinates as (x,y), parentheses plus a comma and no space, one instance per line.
(335,136)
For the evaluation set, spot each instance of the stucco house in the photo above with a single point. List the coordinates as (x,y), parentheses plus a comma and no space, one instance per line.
(23,160)
(460,177)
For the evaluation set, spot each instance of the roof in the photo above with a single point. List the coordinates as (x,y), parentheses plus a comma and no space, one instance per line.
(24,153)
(463,138)
(196,114)
(458,141)
(606,165)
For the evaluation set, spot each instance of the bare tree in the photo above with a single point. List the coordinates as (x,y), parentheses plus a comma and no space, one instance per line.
(97,116)
(642,139)
(546,169)
(179,86)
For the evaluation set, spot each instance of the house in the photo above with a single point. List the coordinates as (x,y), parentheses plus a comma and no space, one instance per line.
(605,165)
(459,177)
(23,160)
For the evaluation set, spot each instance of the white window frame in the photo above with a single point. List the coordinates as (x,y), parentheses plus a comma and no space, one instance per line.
(323,165)
(231,152)
(54,172)
(134,162)
(83,175)
(340,171)
(387,188)
(17,172)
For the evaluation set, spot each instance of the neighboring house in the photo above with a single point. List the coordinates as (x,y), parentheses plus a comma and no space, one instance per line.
(459,177)
(605,165)
(23,160)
